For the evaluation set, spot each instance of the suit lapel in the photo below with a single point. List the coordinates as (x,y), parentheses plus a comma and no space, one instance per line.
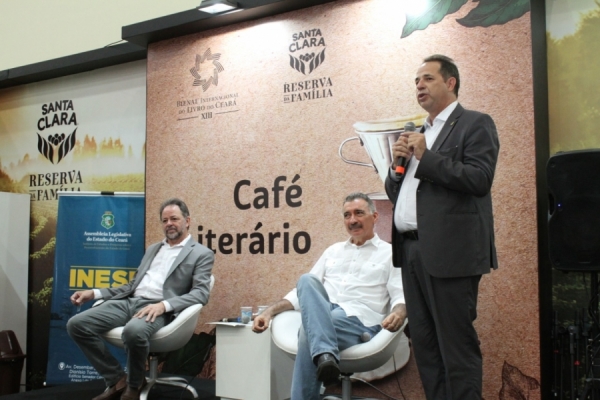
(143,268)
(448,126)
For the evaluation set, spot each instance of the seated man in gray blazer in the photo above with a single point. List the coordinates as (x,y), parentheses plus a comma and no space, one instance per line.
(173,274)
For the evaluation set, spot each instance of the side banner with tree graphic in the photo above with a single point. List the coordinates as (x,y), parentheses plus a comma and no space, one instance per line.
(84,132)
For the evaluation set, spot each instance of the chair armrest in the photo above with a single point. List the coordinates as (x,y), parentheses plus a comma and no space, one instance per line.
(284,331)
(170,337)
(372,354)
(359,358)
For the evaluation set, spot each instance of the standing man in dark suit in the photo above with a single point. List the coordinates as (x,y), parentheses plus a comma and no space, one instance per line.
(173,274)
(443,234)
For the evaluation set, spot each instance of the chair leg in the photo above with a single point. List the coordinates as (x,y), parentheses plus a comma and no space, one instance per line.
(153,379)
(346,387)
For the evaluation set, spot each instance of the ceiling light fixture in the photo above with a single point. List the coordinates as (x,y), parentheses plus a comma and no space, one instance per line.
(217,6)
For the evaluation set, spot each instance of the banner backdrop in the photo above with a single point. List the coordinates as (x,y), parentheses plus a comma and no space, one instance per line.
(249,122)
(99,244)
(81,133)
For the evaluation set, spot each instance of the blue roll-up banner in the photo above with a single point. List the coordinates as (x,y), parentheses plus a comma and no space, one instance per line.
(99,244)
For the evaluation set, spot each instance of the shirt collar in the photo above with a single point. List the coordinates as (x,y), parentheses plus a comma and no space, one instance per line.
(374,241)
(180,244)
(443,116)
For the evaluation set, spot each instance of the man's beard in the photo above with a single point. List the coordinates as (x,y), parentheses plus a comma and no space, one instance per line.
(173,235)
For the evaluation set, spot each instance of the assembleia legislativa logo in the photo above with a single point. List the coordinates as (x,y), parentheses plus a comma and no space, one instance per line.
(108,220)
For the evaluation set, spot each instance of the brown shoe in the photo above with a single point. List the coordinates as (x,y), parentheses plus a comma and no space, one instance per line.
(131,393)
(113,392)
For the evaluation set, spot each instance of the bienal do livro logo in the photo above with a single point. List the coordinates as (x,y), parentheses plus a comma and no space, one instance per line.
(56,139)
(206,69)
(307,50)
(108,220)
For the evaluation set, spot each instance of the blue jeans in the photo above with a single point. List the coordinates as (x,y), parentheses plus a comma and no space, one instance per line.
(325,329)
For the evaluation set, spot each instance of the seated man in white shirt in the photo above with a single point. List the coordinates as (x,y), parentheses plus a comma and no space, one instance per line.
(347,294)
(173,274)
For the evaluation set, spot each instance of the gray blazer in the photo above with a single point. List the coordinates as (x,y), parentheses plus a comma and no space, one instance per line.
(454,203)
(187,282)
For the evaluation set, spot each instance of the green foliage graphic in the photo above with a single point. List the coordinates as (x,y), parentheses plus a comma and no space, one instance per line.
(494,12)
(574,87)
(43,296)
(41,222)
(486,13)
(46,251)
(434,14)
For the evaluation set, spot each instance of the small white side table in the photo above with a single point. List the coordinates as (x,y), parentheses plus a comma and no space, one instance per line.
(250,366)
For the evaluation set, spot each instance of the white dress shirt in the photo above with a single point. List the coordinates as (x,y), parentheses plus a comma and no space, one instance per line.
(405,215)
(360,279)
(151,286)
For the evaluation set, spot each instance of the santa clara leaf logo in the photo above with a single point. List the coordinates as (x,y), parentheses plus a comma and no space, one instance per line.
(299,64)
(57,146)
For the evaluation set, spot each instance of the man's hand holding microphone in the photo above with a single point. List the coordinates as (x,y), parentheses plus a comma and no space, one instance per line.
(410,142)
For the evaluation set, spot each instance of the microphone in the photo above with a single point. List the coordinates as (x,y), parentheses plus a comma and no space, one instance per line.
(401,162)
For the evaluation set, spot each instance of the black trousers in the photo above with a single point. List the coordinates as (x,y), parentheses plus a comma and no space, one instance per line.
(441,312)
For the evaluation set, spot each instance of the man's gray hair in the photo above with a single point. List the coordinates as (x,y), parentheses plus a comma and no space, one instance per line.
(175,202)
(359,195)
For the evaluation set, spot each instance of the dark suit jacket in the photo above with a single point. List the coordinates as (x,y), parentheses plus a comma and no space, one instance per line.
(188,280)
(454,204)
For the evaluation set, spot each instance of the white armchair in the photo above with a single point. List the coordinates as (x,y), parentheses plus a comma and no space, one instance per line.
(170,337)
(373,358)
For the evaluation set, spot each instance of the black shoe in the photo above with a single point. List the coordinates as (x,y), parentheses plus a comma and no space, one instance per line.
(328,370)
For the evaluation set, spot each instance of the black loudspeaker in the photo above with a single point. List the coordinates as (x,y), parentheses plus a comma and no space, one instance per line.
(574,210)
